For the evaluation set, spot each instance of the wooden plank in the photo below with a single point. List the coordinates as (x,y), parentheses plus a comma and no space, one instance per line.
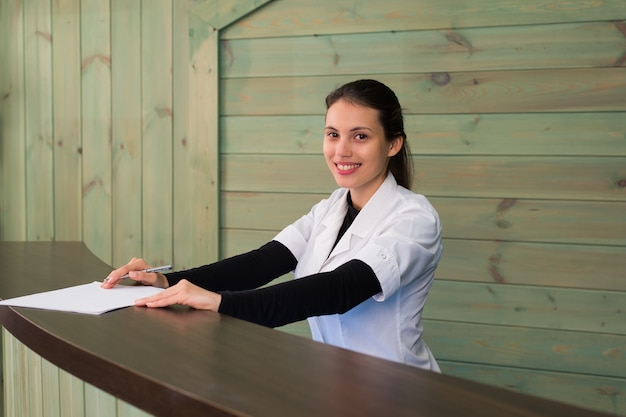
(516,305)
(156,154)
(303,17)
(575,90)
(12,122)
(96,114)
(570,45)
(221,13)
(548,221)
(126,133)
(567,178)
(38,101)
(51,396)
(557,134)
(196,154)
(99,403)
(73,399)
(555,265)
(601,223)
(527,348)
(67,120)
(597,393)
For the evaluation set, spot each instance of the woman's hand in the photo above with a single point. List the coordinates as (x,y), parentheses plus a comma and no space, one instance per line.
(134,270)
(185,293)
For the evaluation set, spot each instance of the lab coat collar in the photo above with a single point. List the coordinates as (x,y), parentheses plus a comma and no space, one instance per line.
(372,213)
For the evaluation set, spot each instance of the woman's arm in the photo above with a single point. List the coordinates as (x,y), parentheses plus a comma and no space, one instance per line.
(320,294)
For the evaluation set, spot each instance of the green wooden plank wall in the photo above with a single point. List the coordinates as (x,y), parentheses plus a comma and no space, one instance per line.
(515,111)
(516,114)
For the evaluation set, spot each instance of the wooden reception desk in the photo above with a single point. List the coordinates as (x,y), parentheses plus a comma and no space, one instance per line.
(183,362)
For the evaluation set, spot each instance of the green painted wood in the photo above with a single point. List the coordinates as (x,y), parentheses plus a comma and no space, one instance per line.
(556,265)
(573,45)
(156,154)
(51,391)
(547,221)
(67,120)
(527,348)
(579,90)
(126,130)
(516,305)
(12,122)
(567,178)
(220,13)
(557,134)
(73,398)
(196,156)
(38,110)
(302,17)
(96,113)
(595,393)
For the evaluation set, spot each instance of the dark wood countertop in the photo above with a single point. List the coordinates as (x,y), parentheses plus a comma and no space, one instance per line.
(184,362)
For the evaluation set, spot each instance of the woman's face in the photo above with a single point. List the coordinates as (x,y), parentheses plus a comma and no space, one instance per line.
(355,149)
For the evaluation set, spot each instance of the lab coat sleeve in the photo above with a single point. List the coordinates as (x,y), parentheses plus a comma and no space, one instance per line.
(408,249)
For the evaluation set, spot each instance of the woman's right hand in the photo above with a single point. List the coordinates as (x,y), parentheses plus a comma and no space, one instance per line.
(134,268)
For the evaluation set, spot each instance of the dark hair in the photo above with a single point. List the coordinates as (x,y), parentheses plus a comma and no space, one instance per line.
(376,95)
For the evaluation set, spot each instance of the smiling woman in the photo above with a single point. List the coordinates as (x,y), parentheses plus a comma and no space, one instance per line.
(364,258)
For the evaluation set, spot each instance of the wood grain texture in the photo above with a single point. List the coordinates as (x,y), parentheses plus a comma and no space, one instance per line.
(573,45)
(601,89)
(12,122)
(67,122)
(96,113)
(157,121)
(302,17)
(556,134)
(127,131)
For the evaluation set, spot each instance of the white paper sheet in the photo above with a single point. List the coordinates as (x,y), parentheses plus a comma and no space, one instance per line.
(86,298)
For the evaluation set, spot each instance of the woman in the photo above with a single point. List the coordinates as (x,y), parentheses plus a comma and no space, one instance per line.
(363,259)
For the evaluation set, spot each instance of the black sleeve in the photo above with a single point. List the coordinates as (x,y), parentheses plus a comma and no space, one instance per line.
(242,272)
(316,295)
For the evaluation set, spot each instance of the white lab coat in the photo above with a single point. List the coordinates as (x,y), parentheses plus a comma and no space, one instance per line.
(398,234)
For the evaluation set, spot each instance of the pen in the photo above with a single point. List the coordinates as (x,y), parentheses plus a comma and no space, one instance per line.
(155,269)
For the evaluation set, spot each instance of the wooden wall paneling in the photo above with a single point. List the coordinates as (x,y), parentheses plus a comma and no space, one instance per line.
(586,391)
(558,265)
(126,131)
(196,154)
(528,348)
(515,177)
(67,120)
(51,393)
(547,221)
(35,384)
(96,113)
(516,305)
(557,134)
(12,122)
(72,403)
(302,17)
(601,89)
(38,100)
(157,149)
(221,13)
(98,402)
(572,45)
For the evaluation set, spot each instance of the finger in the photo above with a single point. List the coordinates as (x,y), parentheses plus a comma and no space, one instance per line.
(162,299)
(115,276)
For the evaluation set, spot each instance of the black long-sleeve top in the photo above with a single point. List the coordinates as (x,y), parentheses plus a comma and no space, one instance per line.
(238,279)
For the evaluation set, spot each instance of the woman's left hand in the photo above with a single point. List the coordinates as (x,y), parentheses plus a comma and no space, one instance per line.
(185,293)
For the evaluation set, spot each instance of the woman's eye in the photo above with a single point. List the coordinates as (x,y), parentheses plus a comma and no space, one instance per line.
(331,134)
(361,136)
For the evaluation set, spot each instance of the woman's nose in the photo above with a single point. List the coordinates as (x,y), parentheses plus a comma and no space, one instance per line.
(344,147)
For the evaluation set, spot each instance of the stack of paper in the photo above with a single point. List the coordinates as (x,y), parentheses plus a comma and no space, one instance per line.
(86,298)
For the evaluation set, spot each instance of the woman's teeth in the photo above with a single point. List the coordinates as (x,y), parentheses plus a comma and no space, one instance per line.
(343,167)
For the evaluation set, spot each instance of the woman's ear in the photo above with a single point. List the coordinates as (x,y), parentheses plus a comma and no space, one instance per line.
(395,145)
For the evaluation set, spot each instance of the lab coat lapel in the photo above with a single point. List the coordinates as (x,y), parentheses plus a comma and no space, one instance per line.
(373,213)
